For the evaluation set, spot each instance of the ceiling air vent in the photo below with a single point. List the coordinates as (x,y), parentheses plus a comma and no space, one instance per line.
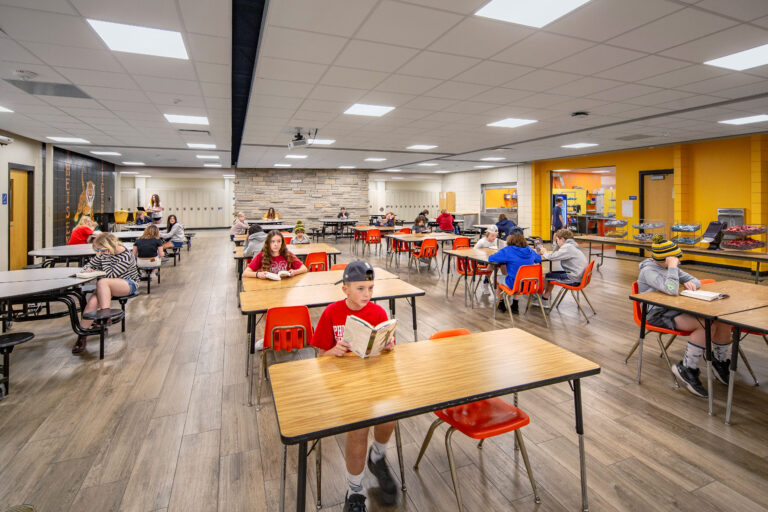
(637,136)
(194,132)
(49,89)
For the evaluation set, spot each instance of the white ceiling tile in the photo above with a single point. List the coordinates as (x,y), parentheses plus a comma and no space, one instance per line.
(97,78)
(675,29)
(501,96)
(487,37)
(684,76)
(726,42)
(311,115)
(211,17)
(150,65)
(44,73)
(71,102)
(284,102)
(129,106)
(492,73)
(742,91)
(595,59)
(203,48)
(374,56)
(11,51)
(585,86)
(216,90)
(645,67)
(169,85)
(336,17)
(460,6)
(83,58)
(44,27)
(407,84)
(691,102)
(217,73)
(343,94)
(624,92)
(430,103)
(181,101)
(280,69)
(542,100)
(437,65)
(221,104)
(659,97)
(542,80)
(58,6)
(457,90)
(471,107)
(745,10)
(392,99)
(714,85)
(541,49)
(284,43)
(136,12)
(324,106)
(406,25)
(280,88)
(351,77)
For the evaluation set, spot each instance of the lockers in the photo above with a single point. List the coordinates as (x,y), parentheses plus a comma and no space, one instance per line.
(196,208)
(408,204)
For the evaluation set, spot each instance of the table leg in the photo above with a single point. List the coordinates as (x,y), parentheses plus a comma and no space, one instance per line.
(448,275)
(582,455)
(301,477)
(643,315)
(413,313)
(708,357)
(757,273)
(392,308)
(734,364)
(466,262)
(589,255)
(472,288)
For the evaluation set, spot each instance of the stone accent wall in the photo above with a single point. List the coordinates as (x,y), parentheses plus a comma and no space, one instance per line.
(302,194)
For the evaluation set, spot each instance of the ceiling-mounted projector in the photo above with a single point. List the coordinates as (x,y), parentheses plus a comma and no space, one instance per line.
(298,141)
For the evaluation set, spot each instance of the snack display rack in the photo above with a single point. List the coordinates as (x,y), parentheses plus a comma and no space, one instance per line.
(646,228)
(742,238)
(613,228)
(686,233)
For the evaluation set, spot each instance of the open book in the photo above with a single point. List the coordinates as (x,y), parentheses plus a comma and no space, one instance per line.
(276,276)
(367,340)
(88,275)
(703,295)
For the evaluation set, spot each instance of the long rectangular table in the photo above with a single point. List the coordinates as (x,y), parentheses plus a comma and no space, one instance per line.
(742,297)
(602,241)
(417,378)
(252,284)
(298,250)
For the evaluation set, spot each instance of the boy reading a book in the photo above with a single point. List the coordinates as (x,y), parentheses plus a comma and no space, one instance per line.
(328,338)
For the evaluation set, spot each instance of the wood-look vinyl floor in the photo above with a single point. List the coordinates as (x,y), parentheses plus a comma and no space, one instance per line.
(162,422)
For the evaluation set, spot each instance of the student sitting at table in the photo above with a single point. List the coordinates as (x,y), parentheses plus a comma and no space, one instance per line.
(142,218)
(174,233)
(388,220)
(255,242)
(490,240)
(299,236)
(419,226)
(342,214)
(83,232)
(424,213)
(239,226)
(149,244)
(273,258)
(445,221)
(121,278)
(329,339)
(506,226)
(661,273)
(514,255)
(573,261)
(271,215)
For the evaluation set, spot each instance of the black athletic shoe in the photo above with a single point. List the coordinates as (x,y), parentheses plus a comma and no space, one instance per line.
(515,306)
(502,307)
(722,371)
(354,503)
(387,483)
(690,378)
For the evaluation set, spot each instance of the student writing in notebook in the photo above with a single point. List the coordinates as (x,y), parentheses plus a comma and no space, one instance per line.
(274,258)
(328,338)
(661,273)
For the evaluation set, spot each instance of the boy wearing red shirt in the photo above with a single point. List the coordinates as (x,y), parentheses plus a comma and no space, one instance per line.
(328,338)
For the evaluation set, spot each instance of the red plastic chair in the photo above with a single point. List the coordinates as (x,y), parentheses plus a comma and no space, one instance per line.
(317,262)
(576,291)
(427,250)
(339,266)
(528,281)
(359,236)
(287,237)
(372,237)
(404,231)
(460,243)
(478,420)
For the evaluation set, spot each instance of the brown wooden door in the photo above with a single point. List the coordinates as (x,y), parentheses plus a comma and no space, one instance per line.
(658,199)
(18,219)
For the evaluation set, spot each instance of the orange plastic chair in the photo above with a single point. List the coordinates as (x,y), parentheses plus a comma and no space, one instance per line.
(339,266)
(359,236)
(405,231)
(576,291)
(478,420)
(372,236)
(398,248)
(287,237)
(528,281)
(427,250)
(460,243)
(317,262)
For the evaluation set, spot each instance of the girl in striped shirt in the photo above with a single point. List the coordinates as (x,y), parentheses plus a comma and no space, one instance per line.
(121,278)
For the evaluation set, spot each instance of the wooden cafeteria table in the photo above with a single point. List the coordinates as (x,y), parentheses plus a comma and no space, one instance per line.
(748,256)
(754,320)
(299,250)
(478,255)
(251,284)
(414,379)
(441,237)
(67,253)
(742,297)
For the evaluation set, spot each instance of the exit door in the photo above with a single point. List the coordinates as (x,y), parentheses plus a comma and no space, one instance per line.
(20,223)
(658,200)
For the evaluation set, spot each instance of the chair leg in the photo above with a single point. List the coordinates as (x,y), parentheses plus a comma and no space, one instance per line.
(749,366)
(282,478)
(666,358)
(452,466)
(543,311)
(458,279)
(509,309)
(102,333)
(528,304)
(559,298)
(319,471)
(524,453)
(632,351)
(260,377)
(578,305)
(480,444)
(590,304)
(122,322)
(426,441)
(399,446)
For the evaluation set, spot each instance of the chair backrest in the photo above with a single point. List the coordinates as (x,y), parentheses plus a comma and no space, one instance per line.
(339,266)
(461,243)
(373,236)
(529,280)
(405,231)
(317,262)
(287,237)
(449,333)
(636,304)
(587,277)
(287,328)
(428,248)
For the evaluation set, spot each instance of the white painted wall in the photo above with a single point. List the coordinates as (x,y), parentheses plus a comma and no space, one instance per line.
(404,197)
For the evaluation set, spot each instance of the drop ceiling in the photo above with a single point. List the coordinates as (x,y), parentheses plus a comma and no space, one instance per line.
(636,67)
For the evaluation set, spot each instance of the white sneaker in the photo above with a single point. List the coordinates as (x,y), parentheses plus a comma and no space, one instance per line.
(260,344)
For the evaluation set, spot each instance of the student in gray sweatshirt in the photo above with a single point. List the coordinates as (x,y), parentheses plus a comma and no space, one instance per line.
(255,242)
(661,273)
(567,252)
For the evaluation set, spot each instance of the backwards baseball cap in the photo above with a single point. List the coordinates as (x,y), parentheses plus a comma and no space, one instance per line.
(492,229)
(358,270)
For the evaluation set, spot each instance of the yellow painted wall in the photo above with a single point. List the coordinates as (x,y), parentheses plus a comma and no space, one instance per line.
(494,198)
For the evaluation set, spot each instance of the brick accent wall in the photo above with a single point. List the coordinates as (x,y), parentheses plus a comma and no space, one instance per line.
(305,194)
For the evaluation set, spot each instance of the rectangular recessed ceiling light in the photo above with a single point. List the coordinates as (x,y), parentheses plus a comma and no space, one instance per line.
(106,153)
(198,145)
(297,157)
(143,176)
(493,158)
(397,178)
(746,120)
(208,157)
(740,61)
(512,122)
(483,166)
(360,109)
(393,170)
(142,40)
(227,175)
(282,165)
(211,165)
(133,163)
(346,167)
(533,13)
(321,142)
(442,172)
(428,164)
(421,146)
(73,140)
(174,118)
(579,145)
(3,109)
(375,159)
(601,172)
(128,172)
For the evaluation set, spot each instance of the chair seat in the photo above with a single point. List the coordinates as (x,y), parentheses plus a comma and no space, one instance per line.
(14,338)
(126,297)
(486,418)
(506,289)
(103,314)
(664,330)
(568,286)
